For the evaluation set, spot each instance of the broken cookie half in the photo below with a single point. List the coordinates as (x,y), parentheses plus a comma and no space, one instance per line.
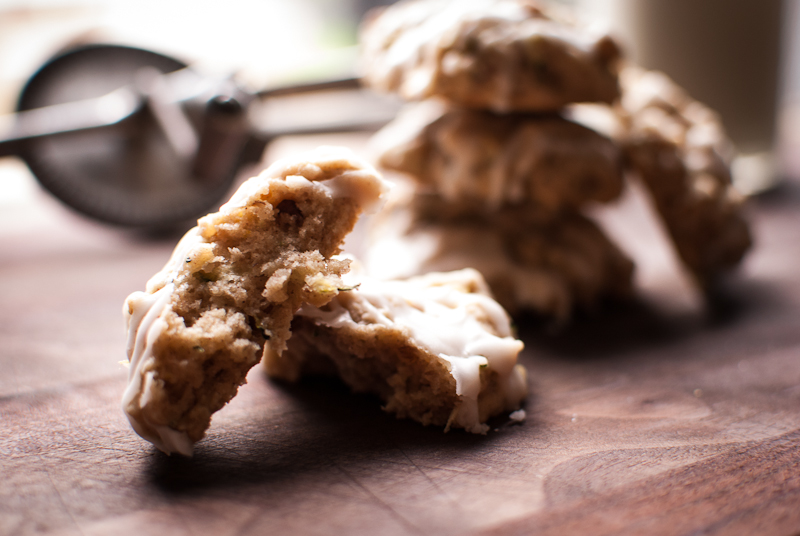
(436,348)
(235,282)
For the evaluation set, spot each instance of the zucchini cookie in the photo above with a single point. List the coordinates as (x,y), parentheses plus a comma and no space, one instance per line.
(436,348)
(679,150)
(471,155)
(550,265)
(499,55)
(233,283)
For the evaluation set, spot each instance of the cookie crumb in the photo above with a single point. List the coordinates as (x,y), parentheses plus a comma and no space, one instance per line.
(518,416)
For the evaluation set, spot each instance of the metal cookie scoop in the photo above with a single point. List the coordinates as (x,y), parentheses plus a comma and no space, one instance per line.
(134,138)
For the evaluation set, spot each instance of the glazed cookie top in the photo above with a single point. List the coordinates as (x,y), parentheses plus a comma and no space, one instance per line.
(504,55)
(449,315)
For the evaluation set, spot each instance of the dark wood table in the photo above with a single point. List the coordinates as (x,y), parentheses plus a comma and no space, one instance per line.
(643,418)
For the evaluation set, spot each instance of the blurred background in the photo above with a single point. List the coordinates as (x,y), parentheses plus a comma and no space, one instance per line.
(742,58)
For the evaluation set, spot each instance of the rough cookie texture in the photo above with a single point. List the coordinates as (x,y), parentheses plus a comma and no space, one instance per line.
(437,349)
(550,265)
(678,148)
(470,155)
(501,55)
(234,282)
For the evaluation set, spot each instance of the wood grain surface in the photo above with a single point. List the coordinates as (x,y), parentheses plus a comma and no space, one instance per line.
(652,417)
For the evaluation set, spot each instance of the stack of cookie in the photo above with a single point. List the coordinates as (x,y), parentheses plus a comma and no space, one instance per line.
(504,162)
(501,178)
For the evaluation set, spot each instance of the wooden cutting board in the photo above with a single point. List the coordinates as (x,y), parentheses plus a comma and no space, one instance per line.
(642,419)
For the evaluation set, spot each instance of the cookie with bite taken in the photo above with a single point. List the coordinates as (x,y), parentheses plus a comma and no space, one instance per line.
(233,283)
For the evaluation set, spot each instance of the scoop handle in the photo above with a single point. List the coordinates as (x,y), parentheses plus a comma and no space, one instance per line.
(110,109)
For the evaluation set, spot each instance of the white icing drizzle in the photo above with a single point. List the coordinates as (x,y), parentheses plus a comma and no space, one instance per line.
(143,313)
(465,330)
